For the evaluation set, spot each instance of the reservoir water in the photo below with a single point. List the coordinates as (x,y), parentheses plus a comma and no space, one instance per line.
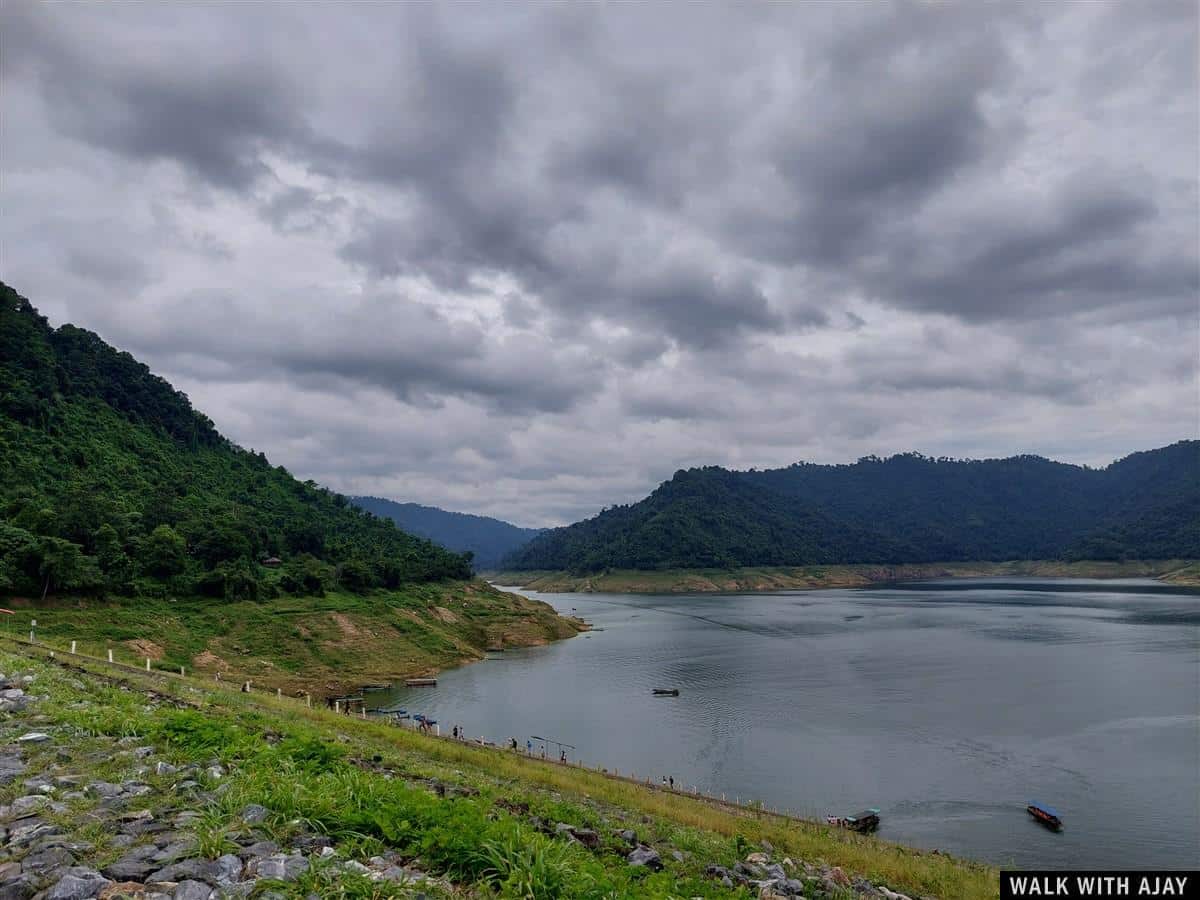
(947,704)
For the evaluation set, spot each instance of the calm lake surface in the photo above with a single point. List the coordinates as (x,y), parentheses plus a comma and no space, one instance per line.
(947,704)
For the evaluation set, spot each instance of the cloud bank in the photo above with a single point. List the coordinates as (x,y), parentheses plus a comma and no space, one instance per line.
(527,261)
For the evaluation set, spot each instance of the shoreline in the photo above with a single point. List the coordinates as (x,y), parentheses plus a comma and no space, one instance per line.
(754,579)
(325,646)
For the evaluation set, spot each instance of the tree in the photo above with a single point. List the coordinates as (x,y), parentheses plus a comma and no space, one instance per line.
(64,566)
(163,552)
(114,562)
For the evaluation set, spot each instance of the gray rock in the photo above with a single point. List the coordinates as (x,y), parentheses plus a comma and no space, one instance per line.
(128,868)
(20,888)
(775,872)
(11,767)
(179,849)
(645,856)
(748,870)
(164,768)
(48,861)
(105,790)
(280,867)
(310,843)
(24,806)
(353,865)
(677,856)
(260,848)
(401,875)
(197,869)
(254,813)
(587,837)
(78,884)
(227,869)
(193,890)
(30,830)
(793,886)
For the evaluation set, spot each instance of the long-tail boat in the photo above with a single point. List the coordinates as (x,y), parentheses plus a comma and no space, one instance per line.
(1047,815)
(867,820)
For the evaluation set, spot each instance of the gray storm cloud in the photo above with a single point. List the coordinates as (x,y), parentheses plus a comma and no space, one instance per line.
(529,261)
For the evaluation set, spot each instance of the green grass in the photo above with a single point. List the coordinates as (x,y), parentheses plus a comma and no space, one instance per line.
(339,641)
(482,834)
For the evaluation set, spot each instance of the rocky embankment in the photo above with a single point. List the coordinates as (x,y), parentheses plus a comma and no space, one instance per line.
(156,845)
(86,813)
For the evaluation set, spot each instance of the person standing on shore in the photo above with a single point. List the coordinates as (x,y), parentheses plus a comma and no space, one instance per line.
(529,748)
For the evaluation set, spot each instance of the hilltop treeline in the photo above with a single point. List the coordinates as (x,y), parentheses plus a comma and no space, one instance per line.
(904,509)
(110,482)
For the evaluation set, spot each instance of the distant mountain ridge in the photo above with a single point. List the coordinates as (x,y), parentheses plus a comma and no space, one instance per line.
(490,540)
(907,508)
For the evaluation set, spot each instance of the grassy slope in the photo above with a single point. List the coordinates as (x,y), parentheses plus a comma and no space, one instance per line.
(322,644)
(372,805)
(780,578)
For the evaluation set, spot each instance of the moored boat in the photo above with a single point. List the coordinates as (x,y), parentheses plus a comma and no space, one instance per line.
(1047,815)
(867,820)
(666,692)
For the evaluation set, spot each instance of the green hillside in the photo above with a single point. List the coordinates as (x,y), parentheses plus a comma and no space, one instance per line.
(110,483)
(908,509)
(129,524)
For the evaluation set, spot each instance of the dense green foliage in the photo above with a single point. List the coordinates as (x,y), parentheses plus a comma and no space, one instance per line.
(490,540)
(111,483)
(905,509)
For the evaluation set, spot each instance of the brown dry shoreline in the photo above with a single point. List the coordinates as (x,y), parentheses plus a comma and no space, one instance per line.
(1182,573)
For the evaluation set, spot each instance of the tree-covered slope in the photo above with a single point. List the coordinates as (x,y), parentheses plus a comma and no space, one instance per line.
(905,509)
(705,517)
(490,540)
(111,483)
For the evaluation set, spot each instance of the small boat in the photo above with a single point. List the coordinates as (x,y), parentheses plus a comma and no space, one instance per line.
(495,649)
(666,692)
(1047,815)
(387,710)
(867,820)
(420,682)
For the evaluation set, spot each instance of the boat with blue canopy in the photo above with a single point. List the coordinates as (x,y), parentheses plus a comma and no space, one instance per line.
(1047,815)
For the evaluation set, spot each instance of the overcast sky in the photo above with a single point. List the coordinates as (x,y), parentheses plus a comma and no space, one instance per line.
(526,261)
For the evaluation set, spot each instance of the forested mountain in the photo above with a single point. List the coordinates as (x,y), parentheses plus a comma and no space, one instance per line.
(488,539)
(110,482)
(904,509)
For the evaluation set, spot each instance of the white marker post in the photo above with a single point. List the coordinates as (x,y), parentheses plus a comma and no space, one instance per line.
(147,664)
(110,655)
(72,646)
